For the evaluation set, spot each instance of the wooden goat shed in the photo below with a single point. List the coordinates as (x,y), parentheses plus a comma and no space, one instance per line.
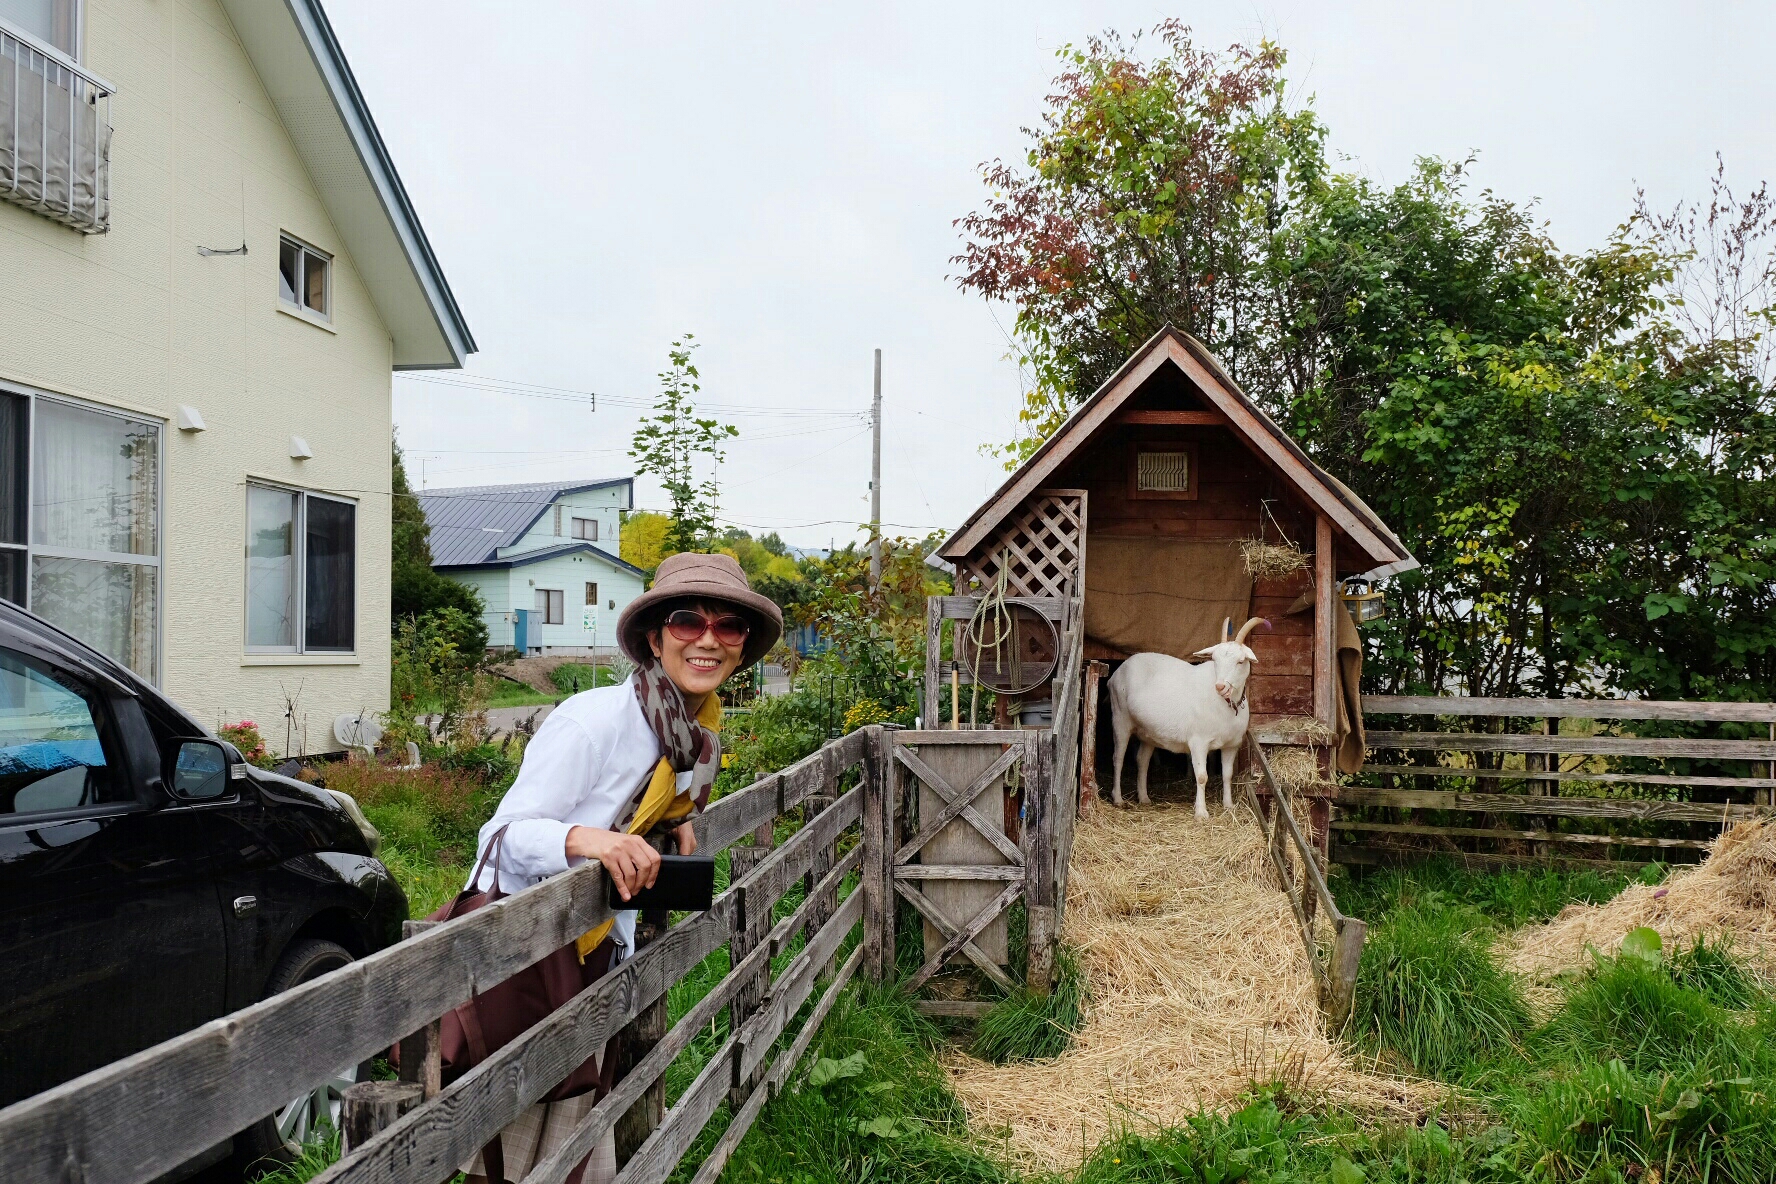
(1143,515)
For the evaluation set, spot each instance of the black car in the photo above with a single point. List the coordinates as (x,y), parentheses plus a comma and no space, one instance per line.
(150,879)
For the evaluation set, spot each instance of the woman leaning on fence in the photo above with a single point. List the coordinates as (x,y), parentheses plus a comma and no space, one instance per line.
(609,769)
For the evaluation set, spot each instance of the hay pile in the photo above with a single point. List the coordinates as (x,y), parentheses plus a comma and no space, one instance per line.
(1267,561)
(1198,988)
(1730,894)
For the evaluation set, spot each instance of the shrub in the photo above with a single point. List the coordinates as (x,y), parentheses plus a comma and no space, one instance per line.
(1428,989)
(1031,1027)
(245,736)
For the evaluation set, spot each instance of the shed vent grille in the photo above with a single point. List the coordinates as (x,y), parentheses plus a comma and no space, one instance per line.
(1163,472)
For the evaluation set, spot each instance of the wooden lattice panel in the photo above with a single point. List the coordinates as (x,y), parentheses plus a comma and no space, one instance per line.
(1041,544)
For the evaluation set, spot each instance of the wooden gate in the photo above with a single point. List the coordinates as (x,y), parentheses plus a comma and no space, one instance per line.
(959,867)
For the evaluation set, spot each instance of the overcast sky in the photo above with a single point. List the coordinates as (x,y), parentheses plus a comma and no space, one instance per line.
(781,181)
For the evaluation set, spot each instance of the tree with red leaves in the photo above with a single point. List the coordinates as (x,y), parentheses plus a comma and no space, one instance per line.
(1150,194)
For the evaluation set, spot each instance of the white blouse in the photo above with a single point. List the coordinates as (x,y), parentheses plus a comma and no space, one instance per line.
(582,768)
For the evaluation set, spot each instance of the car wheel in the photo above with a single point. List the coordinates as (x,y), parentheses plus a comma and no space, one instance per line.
(279,1136)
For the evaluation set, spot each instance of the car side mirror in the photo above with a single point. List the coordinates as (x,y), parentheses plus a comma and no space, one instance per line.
(198,770)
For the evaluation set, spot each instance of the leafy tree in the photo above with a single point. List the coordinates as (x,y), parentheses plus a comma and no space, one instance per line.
(417,589)
(668,443)
(1578,448)
(1149,195)
(643,539)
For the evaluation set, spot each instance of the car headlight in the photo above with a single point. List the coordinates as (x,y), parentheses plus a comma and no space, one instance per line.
(349,804)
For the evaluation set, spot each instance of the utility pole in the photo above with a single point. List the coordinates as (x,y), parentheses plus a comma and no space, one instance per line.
(876,478)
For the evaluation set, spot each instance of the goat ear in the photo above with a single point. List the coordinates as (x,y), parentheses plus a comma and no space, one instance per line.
(1204,653)
(1251,658)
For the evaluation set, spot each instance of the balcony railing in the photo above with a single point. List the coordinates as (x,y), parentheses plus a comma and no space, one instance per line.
(55,135)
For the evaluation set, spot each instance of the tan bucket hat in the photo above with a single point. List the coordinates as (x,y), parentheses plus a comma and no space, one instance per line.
(691,575)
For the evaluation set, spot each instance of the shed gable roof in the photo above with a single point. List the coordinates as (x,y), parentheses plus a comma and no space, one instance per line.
(470,523)
(304,71)
(1170,346)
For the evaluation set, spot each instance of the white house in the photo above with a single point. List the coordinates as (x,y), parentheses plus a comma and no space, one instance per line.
(543,557)
(208,269)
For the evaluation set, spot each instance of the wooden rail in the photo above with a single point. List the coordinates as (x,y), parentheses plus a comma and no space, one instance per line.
(1337,980)
(1542,771)
(130,1121)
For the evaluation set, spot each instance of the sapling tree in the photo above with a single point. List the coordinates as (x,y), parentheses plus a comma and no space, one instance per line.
(668,443)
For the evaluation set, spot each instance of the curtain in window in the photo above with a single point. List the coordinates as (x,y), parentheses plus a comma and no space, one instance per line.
(271,568)
(95,487)
(95,481)
(12,496)
(332,574)
(110,606)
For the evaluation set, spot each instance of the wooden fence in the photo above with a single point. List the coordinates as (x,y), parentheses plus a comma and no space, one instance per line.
(908,793)
(1394,810)
(132,1120)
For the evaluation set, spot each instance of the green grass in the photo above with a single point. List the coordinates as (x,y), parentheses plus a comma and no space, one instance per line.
(318,1154)
(1506,898)
(871,1103)
(1429,991)
(1030,1027)
(573,677)
(507,693)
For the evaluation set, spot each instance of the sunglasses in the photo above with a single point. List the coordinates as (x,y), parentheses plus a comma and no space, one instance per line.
(687,624)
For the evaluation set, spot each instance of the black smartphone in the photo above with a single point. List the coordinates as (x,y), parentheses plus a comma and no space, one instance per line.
(686,884)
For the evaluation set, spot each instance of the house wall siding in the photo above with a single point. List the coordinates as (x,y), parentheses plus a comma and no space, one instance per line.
(137,320)
(601,504)
(516,587)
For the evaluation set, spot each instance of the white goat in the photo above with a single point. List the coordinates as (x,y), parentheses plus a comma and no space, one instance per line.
(1165,702)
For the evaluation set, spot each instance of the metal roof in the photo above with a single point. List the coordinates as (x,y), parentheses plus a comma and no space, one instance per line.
(538,554)
(470,523)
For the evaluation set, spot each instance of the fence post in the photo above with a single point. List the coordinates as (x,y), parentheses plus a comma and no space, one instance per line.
(750,928)
(821,862)
(422,1054)
(637,1040)
(878,853)
(1341,975)
(370,1107)
(1039,862)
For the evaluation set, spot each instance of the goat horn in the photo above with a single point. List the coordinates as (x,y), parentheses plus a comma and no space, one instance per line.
(1226,628)
(1248,627)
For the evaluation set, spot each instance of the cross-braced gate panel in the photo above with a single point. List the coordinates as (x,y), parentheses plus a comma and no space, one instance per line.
(959,869)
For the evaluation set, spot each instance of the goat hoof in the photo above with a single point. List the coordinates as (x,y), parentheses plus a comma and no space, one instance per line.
(1202,813)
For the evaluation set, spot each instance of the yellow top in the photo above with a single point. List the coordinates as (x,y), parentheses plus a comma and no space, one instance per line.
(661,803)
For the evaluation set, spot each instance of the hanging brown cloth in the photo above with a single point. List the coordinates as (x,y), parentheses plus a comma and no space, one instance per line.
(1349,672)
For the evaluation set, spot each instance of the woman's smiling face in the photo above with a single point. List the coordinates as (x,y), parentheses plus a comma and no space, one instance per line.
(700,666)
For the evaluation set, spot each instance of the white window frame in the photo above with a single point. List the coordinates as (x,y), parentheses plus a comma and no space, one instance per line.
(300,543)
(303,250)
(31,550)
(586,538)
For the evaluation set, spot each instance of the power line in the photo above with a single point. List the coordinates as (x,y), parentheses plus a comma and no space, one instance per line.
(567,395)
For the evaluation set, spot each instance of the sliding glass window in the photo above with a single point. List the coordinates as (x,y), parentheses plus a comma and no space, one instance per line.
(80,522)
(302,558)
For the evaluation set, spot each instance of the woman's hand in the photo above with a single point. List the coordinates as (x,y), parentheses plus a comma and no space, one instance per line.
(686,835)
(628,859)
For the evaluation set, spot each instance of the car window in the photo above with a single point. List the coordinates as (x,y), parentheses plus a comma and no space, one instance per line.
(51,757)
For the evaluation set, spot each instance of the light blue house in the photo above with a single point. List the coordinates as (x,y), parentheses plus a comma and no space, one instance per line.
(542,556)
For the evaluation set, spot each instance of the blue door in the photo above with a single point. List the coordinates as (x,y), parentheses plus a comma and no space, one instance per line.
(521,634)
